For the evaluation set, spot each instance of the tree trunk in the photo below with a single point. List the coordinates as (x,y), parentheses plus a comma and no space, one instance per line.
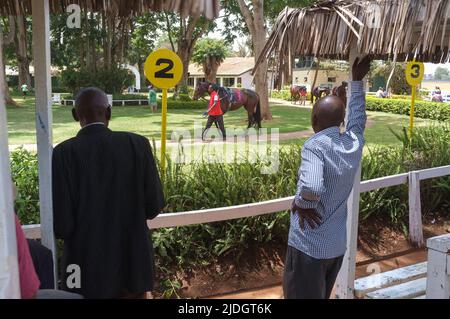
(22,51)
(210,67)
(9,38)
(256,24)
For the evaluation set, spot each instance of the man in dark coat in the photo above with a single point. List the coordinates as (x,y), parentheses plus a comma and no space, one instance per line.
(105,187)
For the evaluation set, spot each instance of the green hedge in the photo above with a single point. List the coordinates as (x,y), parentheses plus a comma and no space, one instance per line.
(285,95)
(184,105)
(422,109)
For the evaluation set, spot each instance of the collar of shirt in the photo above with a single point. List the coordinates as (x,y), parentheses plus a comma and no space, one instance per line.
(95,123)
(332,129)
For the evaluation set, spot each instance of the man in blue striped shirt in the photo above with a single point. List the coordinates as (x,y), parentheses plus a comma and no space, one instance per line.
(330,159)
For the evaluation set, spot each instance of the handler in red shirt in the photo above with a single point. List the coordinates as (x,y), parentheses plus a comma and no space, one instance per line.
(215,113)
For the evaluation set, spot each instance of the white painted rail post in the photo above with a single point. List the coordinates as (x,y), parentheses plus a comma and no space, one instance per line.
(9,273)
(438,268)
(345,282)
(415,210)
(43,88)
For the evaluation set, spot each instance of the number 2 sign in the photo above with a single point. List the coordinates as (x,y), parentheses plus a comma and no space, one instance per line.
(163,68)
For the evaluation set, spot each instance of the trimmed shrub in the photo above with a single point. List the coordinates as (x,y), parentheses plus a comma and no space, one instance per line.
(422,109)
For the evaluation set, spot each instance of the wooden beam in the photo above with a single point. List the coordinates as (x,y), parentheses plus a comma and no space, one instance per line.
(346,278)
(415,210)
(9,273)
(42,82)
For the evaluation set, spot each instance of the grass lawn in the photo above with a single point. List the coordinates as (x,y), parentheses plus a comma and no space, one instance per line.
(21,122)
(137,119)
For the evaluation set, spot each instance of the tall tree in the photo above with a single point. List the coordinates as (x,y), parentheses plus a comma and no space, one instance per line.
(6,39)
(210,53)
(256,15)
(22,49)
(183,34)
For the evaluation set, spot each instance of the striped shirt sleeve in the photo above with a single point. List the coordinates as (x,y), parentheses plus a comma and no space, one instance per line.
(310,183)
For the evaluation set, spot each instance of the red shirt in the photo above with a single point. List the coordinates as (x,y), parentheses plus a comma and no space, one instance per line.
(216,110)
(29,281)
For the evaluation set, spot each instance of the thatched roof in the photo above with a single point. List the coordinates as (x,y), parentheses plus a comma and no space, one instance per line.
(207,8)
(327,29)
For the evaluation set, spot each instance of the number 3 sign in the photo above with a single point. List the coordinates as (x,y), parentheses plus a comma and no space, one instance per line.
(414,73)
(163,68)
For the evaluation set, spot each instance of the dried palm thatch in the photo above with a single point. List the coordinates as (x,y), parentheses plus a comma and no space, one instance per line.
(207,8)
(398,29)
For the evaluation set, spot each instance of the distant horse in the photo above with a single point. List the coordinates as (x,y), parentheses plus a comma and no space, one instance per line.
(318,92)
(232,99)
(298,92)
(341,92)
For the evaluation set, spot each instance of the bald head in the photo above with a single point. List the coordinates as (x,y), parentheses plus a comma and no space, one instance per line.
(327,112)
(91,106)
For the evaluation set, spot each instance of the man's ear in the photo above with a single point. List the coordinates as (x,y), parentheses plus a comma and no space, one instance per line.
(75,115)
(108,113)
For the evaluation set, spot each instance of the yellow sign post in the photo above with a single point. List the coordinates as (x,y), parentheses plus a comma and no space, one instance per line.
(414,75)
(163,68)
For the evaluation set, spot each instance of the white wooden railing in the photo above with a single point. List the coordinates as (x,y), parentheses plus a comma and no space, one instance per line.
(281,204)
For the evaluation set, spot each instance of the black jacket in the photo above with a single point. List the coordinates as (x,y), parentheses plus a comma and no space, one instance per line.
(105,186)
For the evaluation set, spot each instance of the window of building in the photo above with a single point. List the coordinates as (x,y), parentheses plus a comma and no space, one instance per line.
(332,79)
(228,81)
(190,81)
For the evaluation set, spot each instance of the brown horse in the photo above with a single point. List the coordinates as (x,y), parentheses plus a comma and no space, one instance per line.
(232,99)
(298,92)
(318,92)
(341,92)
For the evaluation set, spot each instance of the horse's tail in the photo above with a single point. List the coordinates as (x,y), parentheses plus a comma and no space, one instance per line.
(257,114)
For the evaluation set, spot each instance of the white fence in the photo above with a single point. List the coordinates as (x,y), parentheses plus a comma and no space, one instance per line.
(276,205)
(272,206)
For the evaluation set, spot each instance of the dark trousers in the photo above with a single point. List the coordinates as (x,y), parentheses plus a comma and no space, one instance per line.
(306,277)
(218,119)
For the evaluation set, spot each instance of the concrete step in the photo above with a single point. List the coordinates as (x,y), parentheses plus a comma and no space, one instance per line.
(371,283)
(407,290)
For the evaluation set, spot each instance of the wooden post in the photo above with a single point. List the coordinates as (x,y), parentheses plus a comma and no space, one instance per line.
(9,273)
(415,210)
(438,267)
(346,279)
(42,82)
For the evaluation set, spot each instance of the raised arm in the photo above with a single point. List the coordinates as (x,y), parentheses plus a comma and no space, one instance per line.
(357,106)
(357,109)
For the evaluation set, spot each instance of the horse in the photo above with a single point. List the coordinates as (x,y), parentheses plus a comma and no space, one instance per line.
(341,92)
(298,92)
(318,93)
(232,99)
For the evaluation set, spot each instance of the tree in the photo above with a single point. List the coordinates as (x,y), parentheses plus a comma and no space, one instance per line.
(183,34)
(441,73)
(256,15)
(210,53)
(398,82)
(4,41)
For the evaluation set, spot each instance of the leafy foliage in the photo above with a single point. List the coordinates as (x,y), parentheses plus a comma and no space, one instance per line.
(422,109)
(111,80)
